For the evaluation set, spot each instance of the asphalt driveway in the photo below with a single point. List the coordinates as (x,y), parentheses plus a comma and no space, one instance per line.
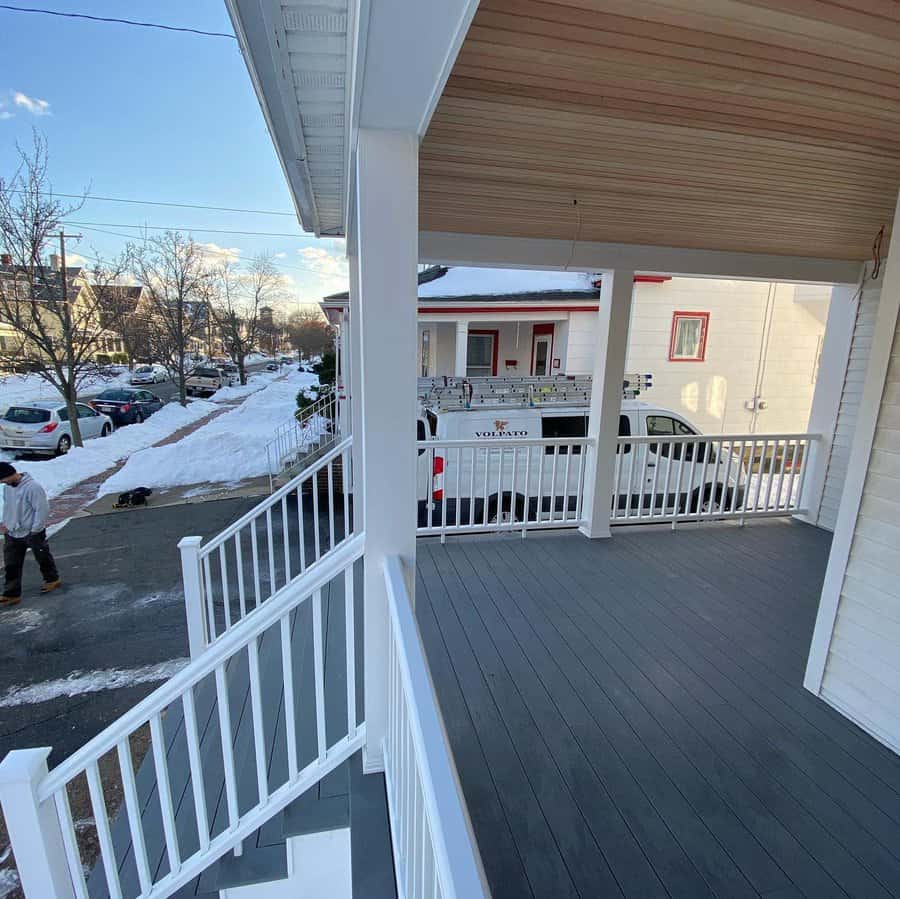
(121,609)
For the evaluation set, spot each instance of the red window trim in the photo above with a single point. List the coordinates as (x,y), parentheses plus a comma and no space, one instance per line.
(496,355)
(537,331)
(704,332)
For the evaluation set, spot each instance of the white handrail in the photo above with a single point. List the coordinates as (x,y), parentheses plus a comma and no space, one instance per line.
(500,483)
(49,819)
(313,422)
(423,783)
(267,548)
(700,477)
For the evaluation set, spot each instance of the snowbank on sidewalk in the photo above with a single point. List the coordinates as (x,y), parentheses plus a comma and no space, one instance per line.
(231,448)
(255,381)
(81,463)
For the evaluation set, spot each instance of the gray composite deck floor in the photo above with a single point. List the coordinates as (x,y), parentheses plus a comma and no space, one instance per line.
(628,719)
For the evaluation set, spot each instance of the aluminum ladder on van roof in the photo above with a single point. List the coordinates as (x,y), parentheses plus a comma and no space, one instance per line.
(457,393)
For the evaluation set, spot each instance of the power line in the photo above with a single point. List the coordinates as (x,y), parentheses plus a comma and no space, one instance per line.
(107,19)
(164,203)
(185,228)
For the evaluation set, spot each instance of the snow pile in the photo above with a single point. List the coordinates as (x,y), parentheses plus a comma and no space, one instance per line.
(30,388)
(229,449)
(80,463)
(255,382)
(461,281)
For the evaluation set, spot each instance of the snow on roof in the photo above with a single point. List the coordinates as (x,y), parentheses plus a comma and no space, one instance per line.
(459,282)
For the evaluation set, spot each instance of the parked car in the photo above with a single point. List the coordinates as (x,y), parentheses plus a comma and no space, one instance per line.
(286,359)
(126,406)
(205,380)
(149,374)
(232,372)
(272,366)
(43,427)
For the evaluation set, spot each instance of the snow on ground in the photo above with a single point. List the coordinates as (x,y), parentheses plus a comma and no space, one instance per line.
(255,382)
(28,388)
(79,682)
(460,281)
(9,881)
(80,463)
(230,448)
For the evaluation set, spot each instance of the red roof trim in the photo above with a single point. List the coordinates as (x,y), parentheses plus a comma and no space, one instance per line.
(642,279)
(503,307)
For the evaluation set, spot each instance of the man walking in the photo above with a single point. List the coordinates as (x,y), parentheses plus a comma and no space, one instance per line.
(25,512)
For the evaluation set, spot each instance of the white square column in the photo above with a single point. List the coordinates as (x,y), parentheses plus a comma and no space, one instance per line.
(355,392)
(461,359)
(387,247)
(610,350)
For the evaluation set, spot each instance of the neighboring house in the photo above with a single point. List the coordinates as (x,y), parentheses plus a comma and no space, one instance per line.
(732,356)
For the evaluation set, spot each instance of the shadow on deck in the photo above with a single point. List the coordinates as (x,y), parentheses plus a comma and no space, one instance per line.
(628,719)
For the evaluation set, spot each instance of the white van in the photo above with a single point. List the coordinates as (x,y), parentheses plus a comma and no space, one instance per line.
(492,484)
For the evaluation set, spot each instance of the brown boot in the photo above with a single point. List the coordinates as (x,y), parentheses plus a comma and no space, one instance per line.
(49,586)
(10,600)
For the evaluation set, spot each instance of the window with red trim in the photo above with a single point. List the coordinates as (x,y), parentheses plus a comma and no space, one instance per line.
(688,339)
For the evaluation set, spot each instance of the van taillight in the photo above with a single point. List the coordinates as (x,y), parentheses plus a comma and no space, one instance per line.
(437,478)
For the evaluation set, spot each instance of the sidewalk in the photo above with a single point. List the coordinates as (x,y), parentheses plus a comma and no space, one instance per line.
(77,499)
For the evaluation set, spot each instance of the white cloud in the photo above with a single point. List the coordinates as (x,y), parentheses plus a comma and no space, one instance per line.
(331,268)
(5,114)
(34,105)
(280,256)
(215,253)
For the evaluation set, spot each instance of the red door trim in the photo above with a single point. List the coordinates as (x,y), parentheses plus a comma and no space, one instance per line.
(536,331)
(496,334)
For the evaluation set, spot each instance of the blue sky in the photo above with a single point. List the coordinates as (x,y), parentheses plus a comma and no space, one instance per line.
(151,115)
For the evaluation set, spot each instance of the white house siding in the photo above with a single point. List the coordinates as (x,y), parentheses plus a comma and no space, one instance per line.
(862,670)
(713,394)
(579,359)
(860,348)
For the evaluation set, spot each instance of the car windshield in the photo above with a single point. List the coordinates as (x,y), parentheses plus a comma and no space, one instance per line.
(144,370)
(117,396)
(206,372)
(24,415)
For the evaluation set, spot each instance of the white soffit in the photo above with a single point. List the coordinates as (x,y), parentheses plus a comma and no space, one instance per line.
(316,46)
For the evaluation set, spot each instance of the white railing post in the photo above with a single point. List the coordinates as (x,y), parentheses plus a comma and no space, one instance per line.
(33,826)
(613,320)
(193,594)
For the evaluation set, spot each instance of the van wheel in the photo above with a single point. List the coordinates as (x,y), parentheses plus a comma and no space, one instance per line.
(506,511)
(707,504)
(64,445)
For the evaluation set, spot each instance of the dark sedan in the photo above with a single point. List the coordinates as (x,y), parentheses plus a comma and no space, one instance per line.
(126,406)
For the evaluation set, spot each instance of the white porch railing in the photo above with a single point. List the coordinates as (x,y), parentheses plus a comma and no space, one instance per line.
(265,550)
(435,853)
(695,478)
(38,812)
(318,424)
(480,485)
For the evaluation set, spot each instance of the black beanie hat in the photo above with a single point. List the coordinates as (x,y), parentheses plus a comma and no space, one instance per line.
(6,470)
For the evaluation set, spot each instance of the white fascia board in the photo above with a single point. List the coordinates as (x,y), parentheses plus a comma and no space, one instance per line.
(446,248)
(250,22)
(410,50)
(435,315)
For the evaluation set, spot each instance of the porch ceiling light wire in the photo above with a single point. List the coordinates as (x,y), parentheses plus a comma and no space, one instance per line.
(577,234)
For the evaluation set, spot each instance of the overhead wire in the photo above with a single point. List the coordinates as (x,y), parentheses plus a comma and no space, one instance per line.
(115,21)
(183,228)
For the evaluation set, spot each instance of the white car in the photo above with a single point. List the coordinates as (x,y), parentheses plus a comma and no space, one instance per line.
(43,427)
(149,374)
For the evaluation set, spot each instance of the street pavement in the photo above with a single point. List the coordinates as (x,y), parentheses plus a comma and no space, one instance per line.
(121,607)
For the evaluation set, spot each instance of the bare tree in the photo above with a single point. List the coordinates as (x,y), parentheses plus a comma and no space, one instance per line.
(123,307)
(310,332)
(241,295)
(55,311)
(177,279)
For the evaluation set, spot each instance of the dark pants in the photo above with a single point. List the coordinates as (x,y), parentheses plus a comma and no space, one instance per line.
(14,551)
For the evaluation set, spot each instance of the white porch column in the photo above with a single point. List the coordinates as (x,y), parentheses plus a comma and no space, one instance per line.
(387,244)
(610,349)
(826,401)
(355,388)
(462,349)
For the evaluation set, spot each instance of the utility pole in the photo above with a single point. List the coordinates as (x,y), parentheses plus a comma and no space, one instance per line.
(67,339)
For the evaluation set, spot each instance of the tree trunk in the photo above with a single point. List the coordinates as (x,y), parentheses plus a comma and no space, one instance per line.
(73,415)
(242,371)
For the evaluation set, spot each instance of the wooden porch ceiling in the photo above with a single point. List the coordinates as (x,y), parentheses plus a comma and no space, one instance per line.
(770,126)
